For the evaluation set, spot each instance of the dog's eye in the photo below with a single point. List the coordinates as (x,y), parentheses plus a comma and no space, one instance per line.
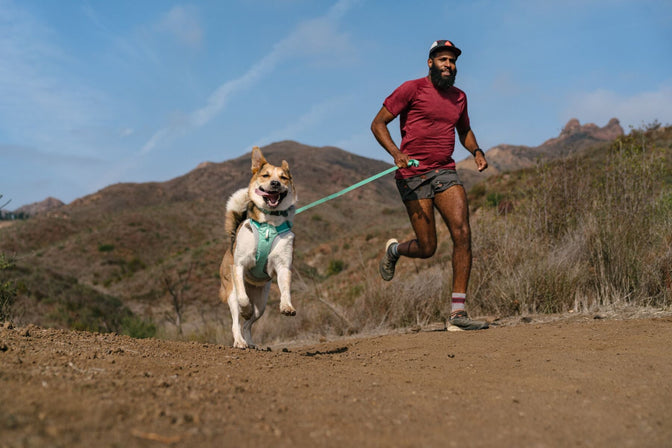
(265,175)
(284,177)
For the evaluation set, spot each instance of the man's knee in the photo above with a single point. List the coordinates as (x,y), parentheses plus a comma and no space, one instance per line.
(420,249)
(426,249)
(462,236)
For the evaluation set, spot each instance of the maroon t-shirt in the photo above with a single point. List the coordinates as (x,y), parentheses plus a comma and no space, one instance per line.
(428,118)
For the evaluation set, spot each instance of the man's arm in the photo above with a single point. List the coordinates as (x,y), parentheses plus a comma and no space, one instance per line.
(468,140)
(382,134)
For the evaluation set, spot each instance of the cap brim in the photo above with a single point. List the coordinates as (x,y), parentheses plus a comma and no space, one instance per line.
(455,50)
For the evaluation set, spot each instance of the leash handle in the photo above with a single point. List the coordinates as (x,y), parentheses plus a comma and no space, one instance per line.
(411,162)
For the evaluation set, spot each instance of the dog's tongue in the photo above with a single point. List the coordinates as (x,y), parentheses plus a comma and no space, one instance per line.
(272,199)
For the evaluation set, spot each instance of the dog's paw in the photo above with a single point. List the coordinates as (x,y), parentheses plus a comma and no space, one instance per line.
(247,311)
(287,310)
(241,344)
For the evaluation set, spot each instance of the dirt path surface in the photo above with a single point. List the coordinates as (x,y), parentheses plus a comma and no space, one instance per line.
(580,382)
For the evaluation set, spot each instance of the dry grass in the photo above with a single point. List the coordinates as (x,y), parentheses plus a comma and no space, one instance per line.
(581,236)
(586,234)
(591,232)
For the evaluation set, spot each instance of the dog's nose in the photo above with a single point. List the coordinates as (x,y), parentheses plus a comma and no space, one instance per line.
(275,184)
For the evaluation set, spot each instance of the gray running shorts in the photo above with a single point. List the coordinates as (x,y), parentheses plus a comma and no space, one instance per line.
(427,185)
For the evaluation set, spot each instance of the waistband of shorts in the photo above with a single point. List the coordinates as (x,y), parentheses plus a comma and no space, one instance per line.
(436,170)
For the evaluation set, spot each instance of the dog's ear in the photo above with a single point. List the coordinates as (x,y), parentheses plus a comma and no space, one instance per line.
(258,160)
(285,168)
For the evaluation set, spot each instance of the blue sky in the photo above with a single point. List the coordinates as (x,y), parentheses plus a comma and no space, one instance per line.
(98,92)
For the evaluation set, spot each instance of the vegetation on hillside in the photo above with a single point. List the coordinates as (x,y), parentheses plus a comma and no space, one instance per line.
(588,233)
(584,232)
(581,233)
(7,290)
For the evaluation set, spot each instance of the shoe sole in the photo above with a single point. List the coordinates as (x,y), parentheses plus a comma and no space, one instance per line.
(475,328)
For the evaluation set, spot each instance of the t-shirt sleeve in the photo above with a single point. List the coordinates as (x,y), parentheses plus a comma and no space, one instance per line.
(400,98)
(463,124)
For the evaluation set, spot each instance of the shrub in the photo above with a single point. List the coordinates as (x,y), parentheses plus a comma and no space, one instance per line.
(136,327)
(493,199)
(335,267)
(7,290)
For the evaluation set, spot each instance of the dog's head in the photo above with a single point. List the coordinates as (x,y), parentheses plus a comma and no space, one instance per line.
(271,187)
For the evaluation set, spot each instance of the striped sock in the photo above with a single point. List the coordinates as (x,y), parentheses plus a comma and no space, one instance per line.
(457,302)
(393,250)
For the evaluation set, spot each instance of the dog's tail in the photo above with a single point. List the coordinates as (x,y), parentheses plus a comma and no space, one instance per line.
(236,212)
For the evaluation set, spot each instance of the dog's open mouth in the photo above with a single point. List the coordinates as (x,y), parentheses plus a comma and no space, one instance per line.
(271,198)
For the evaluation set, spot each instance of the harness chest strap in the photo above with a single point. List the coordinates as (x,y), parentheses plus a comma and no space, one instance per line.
(264,235)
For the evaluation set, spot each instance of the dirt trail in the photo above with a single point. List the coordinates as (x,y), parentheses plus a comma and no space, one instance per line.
(580,382)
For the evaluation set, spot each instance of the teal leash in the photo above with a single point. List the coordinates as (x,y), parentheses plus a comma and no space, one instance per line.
(411,162)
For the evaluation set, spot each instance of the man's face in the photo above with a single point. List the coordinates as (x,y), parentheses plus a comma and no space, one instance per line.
(442,69)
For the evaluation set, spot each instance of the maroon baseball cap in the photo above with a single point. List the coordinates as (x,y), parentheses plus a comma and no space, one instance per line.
(444,45)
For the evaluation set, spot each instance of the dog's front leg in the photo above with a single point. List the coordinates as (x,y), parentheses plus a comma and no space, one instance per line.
(238,339)
(285,283)
(244,304)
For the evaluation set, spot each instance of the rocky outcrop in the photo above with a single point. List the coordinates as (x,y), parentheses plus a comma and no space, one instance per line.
(574,138)
(38,208)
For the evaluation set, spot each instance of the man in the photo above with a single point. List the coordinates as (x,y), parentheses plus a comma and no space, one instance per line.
(430,111)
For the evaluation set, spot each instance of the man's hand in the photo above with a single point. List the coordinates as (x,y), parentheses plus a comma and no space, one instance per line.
(479,158)
(401,160)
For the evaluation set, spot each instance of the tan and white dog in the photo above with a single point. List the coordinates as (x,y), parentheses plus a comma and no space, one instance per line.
(258,222)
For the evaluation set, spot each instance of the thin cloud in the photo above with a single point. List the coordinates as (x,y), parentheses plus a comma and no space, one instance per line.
(318,113)
(41,101)
(645,107)
(307,39)
(37,157)
(183,23)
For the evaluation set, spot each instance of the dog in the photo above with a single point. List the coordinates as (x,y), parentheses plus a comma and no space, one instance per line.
(260,246)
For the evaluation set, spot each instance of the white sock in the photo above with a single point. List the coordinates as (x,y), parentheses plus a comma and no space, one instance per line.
(457,302)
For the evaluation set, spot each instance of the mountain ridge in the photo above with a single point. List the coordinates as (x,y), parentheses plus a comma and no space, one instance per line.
(82,264)
(209,176)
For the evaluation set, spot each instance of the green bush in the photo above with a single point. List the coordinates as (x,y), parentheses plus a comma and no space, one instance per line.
(335,266)
(136,327)
(7,290)
(493,199)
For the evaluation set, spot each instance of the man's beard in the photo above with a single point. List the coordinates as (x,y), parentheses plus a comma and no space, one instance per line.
(441,82)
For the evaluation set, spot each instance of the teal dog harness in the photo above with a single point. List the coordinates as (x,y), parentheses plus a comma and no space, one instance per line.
(264,235)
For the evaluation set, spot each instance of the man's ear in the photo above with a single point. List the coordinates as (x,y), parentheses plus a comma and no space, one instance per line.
(258,160)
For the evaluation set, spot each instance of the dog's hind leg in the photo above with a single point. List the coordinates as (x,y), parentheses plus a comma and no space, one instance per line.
(258,298)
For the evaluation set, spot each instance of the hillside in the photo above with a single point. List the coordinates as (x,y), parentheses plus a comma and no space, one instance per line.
(118,247)
(105,261)
(573,139)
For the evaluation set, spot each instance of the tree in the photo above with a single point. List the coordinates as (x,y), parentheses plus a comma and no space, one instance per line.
(176,282)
